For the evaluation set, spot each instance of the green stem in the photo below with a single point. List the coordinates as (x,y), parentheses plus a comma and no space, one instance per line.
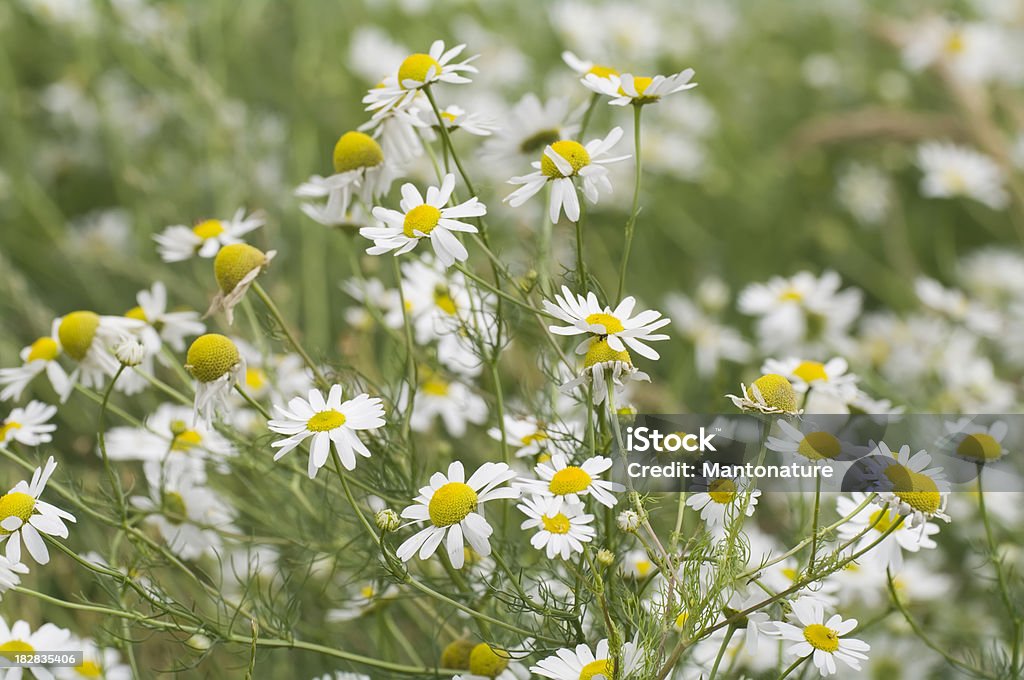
(721,650)
(1004,589)
(296,345)
(631,223)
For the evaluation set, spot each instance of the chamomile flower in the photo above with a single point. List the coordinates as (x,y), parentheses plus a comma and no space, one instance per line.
(976,442)
(179,243)
(632,89)
(951,171)
(910,485)
(23,517)
(328,421)
(582,663)
(360,170)
(236,267)
(529,127)
(215,363)
(585,68)
(428,218)
(402,133)
(804,374)
(39,357)
(342,675)
(453,402)
(601,363)
(171,327)
(19,639)
(485,661)
(29,425)
(562,527)
(876,521)
(823,640)
(809,443)
(719,501)
(362,599)
(89,339)
(416,72)
(97,662)
(9,574)
(621,329)
(637,564)
(451,504)
(169,431)
(560,164)
(560,479)
(771,393)
(457,118)
(530,437)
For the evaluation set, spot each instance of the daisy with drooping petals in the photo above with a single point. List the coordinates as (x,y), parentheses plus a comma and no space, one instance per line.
(39,357)
(601,363)
(89,338)
(770,393)
(909,485)
(9,574)
(19,639)
(416,72)
(822,640)
(327,421)
(29,425)
(558,478)
(582,662)
(888,553)
(428,218)
(236,267)
(451,504)
(485,661)
(179,243)
(631,89)
(562,162)
(216,364)
(976,442)
(618,326)
(562,527)
(23,517)
(169,431)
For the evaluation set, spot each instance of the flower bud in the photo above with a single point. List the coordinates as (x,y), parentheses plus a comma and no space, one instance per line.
(387,520)
(628,521)
(130,352)
(605,557)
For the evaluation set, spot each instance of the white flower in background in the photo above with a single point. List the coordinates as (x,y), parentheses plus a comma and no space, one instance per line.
(215,363)
(951,171)
(9,574)
(633,89)
(372,52)
(328,421)
(994,275)
(876,521)
(720,501)
(823,640)
(958,307)
(451,504)
(807,375)
(402,133)
(585,68)
(712,341)
(453,402)
(24,517)
(866,193)
(529,126)
(560,163)
(188,514)
(562,527)
(179,243)
(976,443)
(39,357)
(171,327)
(361,599)
(530,437)
(909,485)
(428,218)
(416,72)
(89,339)
(457,118)
(618,326)
(169,431)
(29,425)
(771,393)
(582,662)
(97,662)
(600,363)
(789,573)
(249,568)
(342,675)
(974,52)
(372,295)
(560,479)
(19,638)
(809,444)
(637,564)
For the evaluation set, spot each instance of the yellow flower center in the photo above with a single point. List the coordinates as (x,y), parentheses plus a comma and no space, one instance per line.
(882,520)
(366,592)
(722,491)
(488,661)
(809,371)
(7,428)
(543,457)
(791,295)
(186,441)
(422,218)
(443,299)
(600,352)
(211,356)
(641,83)
(611,324)
(980,447)
(643,567)
(136,313)
(917,490)
(208,229)
(89,669)
(776,392)
(536,437)
(559,524)
(13,647)
(790,573)
(43,348)
(573,152)
(955,43)
(819,445)
(601,667)
(325,420)
(76,333)
(451,504)
(174,506)
(16,504)
(456,654)
(568,480)
(822,637)
(233,262)
(680,621)
(538,140)
(602,71)
(418,67)
(255,378)
(356,150)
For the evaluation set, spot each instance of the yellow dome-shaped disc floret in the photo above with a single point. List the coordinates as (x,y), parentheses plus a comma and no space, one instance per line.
(422,218)
(819,445)
(776,391)
(456,654)
(43,348)
(16,504)
(211,356)
(488,661)
(355,150)
(233,262)
(418,67)
(611,324)
(573,152)
(568,480)
(822,637)
(602,667)
(451,504)
(600,352)
(76,333)
(809,371)
(559,524)
(980,447)
(11,648)
(722,491)
(208,229)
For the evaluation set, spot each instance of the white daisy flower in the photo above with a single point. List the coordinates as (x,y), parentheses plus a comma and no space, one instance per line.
(562,527)
(631,89)
(19,638)
(529,126)
(171,327)
(909,485)
(531,437)
(457,118)
(618,326)
(719,501)
(169,431)
(804,373)
(23,517)
(416,72)
(585,68)
(637,564)
(97,662)
(9,574)
(866,192)
(188,514)
(888,553)
(428,218)
(328,421)
(488,662)
(451,504)
(560,479)
(809,443)
(956,305)
(789,573)
(582,662)
(216,364)
(976,442)
(401,133)
(453,402)
(560,163)
(821,639)
(951,170)
(89,339)
(601,362)
(39,357)
(771,393)
(360,600)
(179,243)
(29,425)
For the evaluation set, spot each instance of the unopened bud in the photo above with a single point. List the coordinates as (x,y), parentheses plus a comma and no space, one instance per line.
(130,352)
(387,520)
(628,521)
(605,557)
